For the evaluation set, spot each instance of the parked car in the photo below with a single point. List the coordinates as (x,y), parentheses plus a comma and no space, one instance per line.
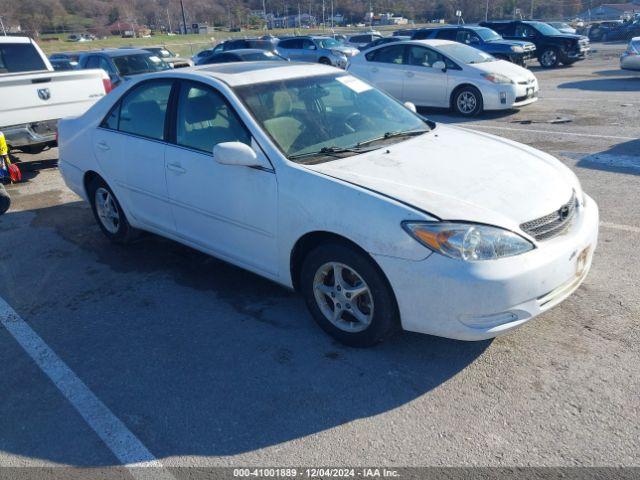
(169,57)
(445,74)
(63,64)
(317,50)
(405,32)
(33,96)
(630,58)
(71,56)
(482,38)
(596,30)
(242,55)
(626,31)
(315,180)
(563,27)
(383,41)
(552,47)
(121,64)
(360,40)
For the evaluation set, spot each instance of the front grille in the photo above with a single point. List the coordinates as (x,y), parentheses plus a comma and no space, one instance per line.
(554,224)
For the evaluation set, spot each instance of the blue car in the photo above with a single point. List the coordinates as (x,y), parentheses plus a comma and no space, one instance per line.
(484,39)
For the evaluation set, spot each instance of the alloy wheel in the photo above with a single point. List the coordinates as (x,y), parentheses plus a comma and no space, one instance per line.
(343,297)
(466,102)
(107,210)
(549,58)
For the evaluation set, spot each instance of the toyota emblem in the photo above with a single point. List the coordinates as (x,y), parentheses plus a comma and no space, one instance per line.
(563,213)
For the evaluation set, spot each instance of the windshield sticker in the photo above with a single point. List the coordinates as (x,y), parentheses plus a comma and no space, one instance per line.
(354,84)
(154,59)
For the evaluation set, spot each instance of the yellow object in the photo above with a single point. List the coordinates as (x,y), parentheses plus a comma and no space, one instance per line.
(4,149)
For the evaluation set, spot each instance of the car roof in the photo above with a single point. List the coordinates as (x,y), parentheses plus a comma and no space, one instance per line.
(431,43)
(242,51)
(247,73)
(120,52)
(10,39)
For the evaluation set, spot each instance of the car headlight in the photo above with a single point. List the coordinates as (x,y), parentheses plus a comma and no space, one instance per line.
(468,241)
(497,78)
(517,49)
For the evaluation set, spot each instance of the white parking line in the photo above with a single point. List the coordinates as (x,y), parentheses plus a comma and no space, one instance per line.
(548,132)
(118,438)
(618,226)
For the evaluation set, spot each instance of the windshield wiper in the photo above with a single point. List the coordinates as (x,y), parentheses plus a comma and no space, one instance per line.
(396,134)
(332,151)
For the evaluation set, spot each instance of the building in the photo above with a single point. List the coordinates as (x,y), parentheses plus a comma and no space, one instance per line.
(200,28)
(128,29)
(291,21)
(385,19)
(611,11)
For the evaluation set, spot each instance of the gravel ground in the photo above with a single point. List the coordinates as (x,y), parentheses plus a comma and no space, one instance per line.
(210,365)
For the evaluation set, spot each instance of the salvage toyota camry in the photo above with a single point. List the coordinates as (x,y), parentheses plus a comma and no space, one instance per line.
(316,180)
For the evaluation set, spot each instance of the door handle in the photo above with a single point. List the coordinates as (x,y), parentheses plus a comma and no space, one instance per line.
(103,146)
(410,74)
(176,168)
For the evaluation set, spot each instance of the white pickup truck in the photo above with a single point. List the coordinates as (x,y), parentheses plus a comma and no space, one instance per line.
(33,97)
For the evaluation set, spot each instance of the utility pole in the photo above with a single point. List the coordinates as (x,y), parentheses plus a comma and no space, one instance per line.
(486,12)
(184,18)
(531,14)
(323,20)
(3,29)
(332,15)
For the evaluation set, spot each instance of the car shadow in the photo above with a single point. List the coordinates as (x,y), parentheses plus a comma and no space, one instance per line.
(195,356)
(31,169)
(621,158)
(626,84)
(442,115)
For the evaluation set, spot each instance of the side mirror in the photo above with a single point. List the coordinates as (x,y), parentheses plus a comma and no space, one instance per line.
(411,106)
(236,153)
(439,65)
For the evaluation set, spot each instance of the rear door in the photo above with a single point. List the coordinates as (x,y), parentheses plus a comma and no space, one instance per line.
(291,48)
(384,68)
(424,85)
(130,148)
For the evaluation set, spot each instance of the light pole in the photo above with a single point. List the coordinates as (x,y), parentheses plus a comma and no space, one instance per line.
(3,29)
(486,12)
(184,18)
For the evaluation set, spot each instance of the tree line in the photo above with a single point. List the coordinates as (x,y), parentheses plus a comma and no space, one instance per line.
(38,16)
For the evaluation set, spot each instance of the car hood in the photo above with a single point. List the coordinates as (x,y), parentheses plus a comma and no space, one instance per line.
(511,43)
(568,36)
(457,174)
(511,70)
(345,49)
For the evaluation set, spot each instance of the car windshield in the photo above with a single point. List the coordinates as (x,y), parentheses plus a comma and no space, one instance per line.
(260,56)
(328,43)
(139,63)
(319,118)
(545,28)
(464,53)
(163,52)
(487,34)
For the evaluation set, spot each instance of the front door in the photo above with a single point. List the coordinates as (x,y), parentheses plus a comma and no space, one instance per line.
(228,210)
(384,68)
(424,85)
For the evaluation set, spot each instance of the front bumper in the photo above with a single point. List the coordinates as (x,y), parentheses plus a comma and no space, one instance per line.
(31,134)
(475,301)
(580,54)
(502,97)
(339,61)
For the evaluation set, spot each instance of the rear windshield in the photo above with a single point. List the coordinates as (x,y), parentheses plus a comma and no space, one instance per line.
(139,63)
(20,57)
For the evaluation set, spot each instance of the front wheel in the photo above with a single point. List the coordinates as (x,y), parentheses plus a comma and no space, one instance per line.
(325,61)
(468,101)
(549,58)
(348,295)
(108,213)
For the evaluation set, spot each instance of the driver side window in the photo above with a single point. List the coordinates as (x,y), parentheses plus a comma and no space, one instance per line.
(525,31)
(421,56)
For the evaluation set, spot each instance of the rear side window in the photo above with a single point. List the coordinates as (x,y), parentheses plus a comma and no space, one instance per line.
(390,54)
(20,57)
(291,43)
(143,111)
(422,34)
(447,34)
(206,119)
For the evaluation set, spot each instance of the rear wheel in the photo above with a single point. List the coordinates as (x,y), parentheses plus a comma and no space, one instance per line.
(348,295)
(5,200)
(549,58)
(109,214)
(467,101)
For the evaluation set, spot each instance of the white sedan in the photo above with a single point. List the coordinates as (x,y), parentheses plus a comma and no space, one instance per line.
(314,179)
(440,73)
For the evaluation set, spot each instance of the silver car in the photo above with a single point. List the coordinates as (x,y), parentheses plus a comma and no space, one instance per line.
(630,58)
(317,50)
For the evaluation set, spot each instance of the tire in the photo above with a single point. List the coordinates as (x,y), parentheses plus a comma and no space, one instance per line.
(108,213)
(365,318)
(5,200)
(549,58)
(467,101)
(324,61)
